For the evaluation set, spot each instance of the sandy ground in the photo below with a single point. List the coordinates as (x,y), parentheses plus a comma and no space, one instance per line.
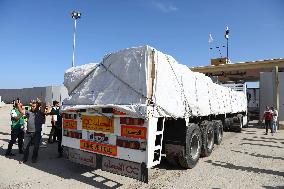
(243,160)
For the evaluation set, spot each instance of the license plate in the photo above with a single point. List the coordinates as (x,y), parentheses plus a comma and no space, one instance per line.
(98,148)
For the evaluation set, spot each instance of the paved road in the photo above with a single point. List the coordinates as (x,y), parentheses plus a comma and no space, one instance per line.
(243,160)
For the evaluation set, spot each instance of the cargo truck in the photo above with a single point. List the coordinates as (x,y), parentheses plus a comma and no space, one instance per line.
(138,105)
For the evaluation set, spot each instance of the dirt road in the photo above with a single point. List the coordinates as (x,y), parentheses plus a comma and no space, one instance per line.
(243,160)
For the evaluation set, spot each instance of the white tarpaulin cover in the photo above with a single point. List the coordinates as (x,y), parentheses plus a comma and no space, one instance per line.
(121,80)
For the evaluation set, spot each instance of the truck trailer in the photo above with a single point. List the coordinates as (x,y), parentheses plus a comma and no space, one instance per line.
(138,105)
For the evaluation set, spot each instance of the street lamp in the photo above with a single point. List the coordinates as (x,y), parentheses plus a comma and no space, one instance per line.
(75,15)
(227,38)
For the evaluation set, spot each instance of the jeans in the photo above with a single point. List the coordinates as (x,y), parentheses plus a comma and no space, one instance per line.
(268,125)
(16,133)
(32,137)
(274,126)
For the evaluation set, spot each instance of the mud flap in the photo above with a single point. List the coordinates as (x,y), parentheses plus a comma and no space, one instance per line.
(130,169)
(126,168)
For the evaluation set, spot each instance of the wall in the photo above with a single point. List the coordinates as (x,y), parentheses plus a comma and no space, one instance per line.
(46,94)
(266,86)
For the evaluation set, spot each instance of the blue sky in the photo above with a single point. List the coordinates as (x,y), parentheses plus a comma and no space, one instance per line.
(36,37)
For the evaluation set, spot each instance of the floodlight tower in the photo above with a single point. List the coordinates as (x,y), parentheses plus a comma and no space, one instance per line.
(227,38)
(75,15)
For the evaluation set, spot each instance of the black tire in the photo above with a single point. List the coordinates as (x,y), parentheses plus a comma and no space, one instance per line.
(218,131)
(193,146)
(207,138)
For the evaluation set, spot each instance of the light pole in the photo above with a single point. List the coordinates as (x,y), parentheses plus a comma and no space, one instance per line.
(227,38)
(75,15)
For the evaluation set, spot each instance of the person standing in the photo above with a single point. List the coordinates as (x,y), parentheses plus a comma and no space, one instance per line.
(17,128)
(274,119)
(58,126)
(36,119)
(267,117)
(59,135)
(54,112)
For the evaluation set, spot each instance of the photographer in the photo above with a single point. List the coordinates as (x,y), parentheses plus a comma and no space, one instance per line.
(36,118)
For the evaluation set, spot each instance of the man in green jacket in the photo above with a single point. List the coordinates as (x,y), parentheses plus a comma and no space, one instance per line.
(17,128)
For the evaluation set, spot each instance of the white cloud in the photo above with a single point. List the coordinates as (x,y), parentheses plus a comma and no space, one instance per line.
(165,7)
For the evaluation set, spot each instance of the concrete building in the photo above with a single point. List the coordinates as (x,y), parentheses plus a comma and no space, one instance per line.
(269,74)
(45,94)
(267,91)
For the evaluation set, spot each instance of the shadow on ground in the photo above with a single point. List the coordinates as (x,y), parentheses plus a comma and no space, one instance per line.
(49,163)
(273,187)
(272,146)
(243,168)
(164,165)
(271,138)
(259,140)
(258,155)
(2,133)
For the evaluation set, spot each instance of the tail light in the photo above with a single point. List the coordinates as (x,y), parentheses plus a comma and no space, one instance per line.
(128,144)
(123,120)
(134,145)
(72,135)
(131,121)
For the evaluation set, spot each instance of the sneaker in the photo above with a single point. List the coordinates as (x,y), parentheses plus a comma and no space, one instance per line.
(266,134)
(34,160)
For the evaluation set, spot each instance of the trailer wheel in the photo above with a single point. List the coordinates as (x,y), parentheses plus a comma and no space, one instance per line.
(207,138)
(193,145)
(218,133)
